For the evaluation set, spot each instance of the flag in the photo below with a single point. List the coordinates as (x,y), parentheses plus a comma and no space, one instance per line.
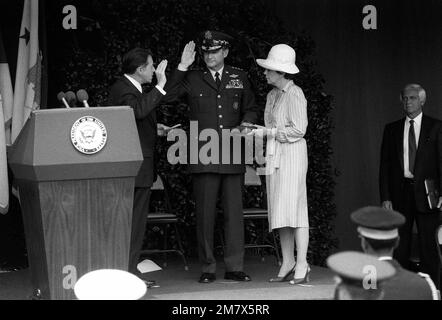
(4,186)
(27,91)
(6,97)
(6,90)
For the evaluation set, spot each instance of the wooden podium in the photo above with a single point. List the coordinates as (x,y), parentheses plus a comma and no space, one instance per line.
(76,201)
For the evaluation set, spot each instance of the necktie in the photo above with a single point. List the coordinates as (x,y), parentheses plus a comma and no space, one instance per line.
(411,147)
(217,80)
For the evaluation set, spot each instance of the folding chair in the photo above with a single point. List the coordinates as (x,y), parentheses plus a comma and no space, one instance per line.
(260,215)
(168,219)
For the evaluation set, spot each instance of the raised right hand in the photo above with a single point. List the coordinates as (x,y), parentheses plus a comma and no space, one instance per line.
(188,56)
(160,73)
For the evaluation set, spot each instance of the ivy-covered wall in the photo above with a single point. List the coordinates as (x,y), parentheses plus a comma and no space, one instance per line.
(107,29)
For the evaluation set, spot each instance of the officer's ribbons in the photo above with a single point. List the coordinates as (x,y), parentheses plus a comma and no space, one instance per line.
(235,84)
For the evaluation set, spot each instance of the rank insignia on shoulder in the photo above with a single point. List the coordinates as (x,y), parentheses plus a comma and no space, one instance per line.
(235,84)
(235,105)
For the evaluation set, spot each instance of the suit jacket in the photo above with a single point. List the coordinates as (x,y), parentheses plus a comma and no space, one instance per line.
(124,93)
(406,285)
(225,108)
(428,163)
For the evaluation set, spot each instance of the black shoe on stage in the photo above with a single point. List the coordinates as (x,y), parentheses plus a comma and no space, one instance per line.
(207,278)
(237,276)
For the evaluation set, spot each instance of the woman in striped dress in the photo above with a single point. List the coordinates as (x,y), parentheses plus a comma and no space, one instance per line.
(286,163)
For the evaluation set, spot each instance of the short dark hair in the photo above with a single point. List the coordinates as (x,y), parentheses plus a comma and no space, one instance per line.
(287,76)
(135,58)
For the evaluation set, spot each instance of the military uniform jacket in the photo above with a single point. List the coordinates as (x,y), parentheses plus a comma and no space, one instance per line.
(406,285)
(216,109)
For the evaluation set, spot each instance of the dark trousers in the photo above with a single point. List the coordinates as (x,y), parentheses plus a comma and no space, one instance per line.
(427,224)
(139,219)
(206,187)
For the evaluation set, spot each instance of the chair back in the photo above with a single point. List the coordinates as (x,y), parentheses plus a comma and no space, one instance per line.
(161,186)
(251,177)
(158,184)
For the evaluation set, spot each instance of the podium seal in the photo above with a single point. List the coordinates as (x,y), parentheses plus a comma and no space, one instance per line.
(88,135)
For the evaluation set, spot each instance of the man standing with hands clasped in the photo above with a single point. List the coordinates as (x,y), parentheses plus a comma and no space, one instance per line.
(220,99)
(411,153)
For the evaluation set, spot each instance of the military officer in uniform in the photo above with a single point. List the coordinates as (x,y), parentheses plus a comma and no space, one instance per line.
(359,276)
(220,99)
(378,230)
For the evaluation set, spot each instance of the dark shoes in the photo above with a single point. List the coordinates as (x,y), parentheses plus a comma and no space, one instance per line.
(237,276)
(207,278)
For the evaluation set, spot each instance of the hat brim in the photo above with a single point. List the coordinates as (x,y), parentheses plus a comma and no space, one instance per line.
(211,49)
(271,65)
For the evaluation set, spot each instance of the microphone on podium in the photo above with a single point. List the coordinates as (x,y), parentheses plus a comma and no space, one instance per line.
(83,97)
(62,97)
(71,99)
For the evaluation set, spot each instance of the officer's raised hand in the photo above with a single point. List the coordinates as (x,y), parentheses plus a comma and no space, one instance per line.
(188,56)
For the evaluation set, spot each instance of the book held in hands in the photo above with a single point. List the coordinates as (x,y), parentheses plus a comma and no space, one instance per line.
(432,191)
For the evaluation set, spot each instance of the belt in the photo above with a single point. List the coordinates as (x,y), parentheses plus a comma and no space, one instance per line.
(409,180)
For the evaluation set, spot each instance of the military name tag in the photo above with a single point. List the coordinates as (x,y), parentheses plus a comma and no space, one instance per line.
(235,84)
(88,135)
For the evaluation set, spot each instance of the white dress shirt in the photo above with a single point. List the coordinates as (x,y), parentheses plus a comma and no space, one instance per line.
(417,132)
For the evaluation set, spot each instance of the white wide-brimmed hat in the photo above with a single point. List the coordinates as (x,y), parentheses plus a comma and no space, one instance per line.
(281,58)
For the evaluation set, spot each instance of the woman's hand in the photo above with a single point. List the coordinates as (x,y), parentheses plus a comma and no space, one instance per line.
(281,137)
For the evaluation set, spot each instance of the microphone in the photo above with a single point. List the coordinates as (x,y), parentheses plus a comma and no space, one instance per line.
(62,97)
(71,99)
(83,97)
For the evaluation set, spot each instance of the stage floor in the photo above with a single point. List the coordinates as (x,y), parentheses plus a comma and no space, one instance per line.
(177,284)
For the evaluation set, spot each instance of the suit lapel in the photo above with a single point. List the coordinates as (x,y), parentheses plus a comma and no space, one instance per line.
(130,85)
(399,141)
(423,138)
(424,134)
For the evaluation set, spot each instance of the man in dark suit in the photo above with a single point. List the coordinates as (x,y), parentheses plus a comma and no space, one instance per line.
(378,230)
(138,68)
(220,99)
(412,152)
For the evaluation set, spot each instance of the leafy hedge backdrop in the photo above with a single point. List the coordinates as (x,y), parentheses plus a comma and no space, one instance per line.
(107,29)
